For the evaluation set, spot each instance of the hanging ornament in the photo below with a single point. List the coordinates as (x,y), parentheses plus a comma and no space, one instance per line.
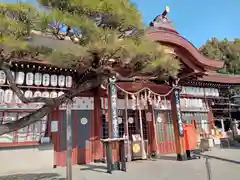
(159,118)
(133,102)
(120,120)
(130,120)
(138,103)
(155,101)
(158,101)
(150,100)
(142,99)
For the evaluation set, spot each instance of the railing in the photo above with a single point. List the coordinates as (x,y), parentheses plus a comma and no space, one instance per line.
(208,167)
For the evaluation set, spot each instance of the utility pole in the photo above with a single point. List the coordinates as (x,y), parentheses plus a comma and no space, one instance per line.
(69,140)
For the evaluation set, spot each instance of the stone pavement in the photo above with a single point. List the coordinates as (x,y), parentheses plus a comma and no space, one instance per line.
(165,168)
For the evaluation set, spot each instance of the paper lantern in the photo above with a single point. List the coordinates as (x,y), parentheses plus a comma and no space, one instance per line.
(53,94)
(28,94)
(38,79)
(37,94)
(45,94)
(68,81)
(60,93)
(8,96)
(61,81)
(20,78)
(29,79)
(2,95)
(46,79)
(54,80)
(2,77)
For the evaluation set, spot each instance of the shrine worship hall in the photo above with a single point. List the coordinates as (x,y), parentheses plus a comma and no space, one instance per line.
(152,117)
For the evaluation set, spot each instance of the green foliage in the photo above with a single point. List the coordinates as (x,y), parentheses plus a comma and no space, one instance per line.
(228,51)
(102,30)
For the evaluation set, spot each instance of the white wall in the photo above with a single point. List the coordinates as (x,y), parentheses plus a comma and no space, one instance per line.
(26,159)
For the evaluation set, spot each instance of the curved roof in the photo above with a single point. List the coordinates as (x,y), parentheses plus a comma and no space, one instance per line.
(221,78)
(164,35)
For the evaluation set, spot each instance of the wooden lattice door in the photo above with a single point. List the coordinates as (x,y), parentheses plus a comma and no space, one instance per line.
(165,132)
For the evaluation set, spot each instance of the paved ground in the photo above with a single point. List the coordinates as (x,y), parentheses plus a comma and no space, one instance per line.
(166,168)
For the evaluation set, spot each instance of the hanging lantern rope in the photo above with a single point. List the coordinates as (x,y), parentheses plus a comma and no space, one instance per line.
(145,89)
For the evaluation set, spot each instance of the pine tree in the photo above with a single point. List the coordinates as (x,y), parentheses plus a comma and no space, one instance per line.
(103,38)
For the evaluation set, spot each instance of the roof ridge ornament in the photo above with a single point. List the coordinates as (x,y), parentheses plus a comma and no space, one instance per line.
(162,21)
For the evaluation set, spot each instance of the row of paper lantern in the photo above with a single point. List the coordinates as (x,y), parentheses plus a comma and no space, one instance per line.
(193,103)
(8,96)
(38,79)
(198,91)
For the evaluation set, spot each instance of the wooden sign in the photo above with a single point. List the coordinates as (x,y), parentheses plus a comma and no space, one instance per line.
(113,101)
(179,115)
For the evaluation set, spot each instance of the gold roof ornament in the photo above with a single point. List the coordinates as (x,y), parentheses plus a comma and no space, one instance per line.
(167,10)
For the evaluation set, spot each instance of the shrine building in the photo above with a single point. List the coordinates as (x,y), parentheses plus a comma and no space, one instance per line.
(151,112)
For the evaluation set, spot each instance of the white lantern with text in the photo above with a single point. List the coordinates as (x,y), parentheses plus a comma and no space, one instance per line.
(46,79)
(29,79)
(38,79)
(28,94)
(8,96)
(37,94)
(61,81)
(45,94)
(54,80)
(20,78)
(53,94)
(2,77)
(2,95)
(68,81)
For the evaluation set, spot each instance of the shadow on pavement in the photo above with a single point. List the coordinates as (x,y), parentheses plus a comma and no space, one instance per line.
(33,176)
(93,167)
(168,158)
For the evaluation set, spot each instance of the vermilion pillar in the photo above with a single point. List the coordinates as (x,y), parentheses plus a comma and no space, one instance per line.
(98,146)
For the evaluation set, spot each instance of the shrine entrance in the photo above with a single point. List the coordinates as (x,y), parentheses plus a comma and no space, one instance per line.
(165,132)
(133,126)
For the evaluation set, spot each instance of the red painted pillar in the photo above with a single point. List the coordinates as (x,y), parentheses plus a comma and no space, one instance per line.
(97,126)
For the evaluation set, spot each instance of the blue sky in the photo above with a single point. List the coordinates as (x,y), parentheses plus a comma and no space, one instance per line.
(197,20)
